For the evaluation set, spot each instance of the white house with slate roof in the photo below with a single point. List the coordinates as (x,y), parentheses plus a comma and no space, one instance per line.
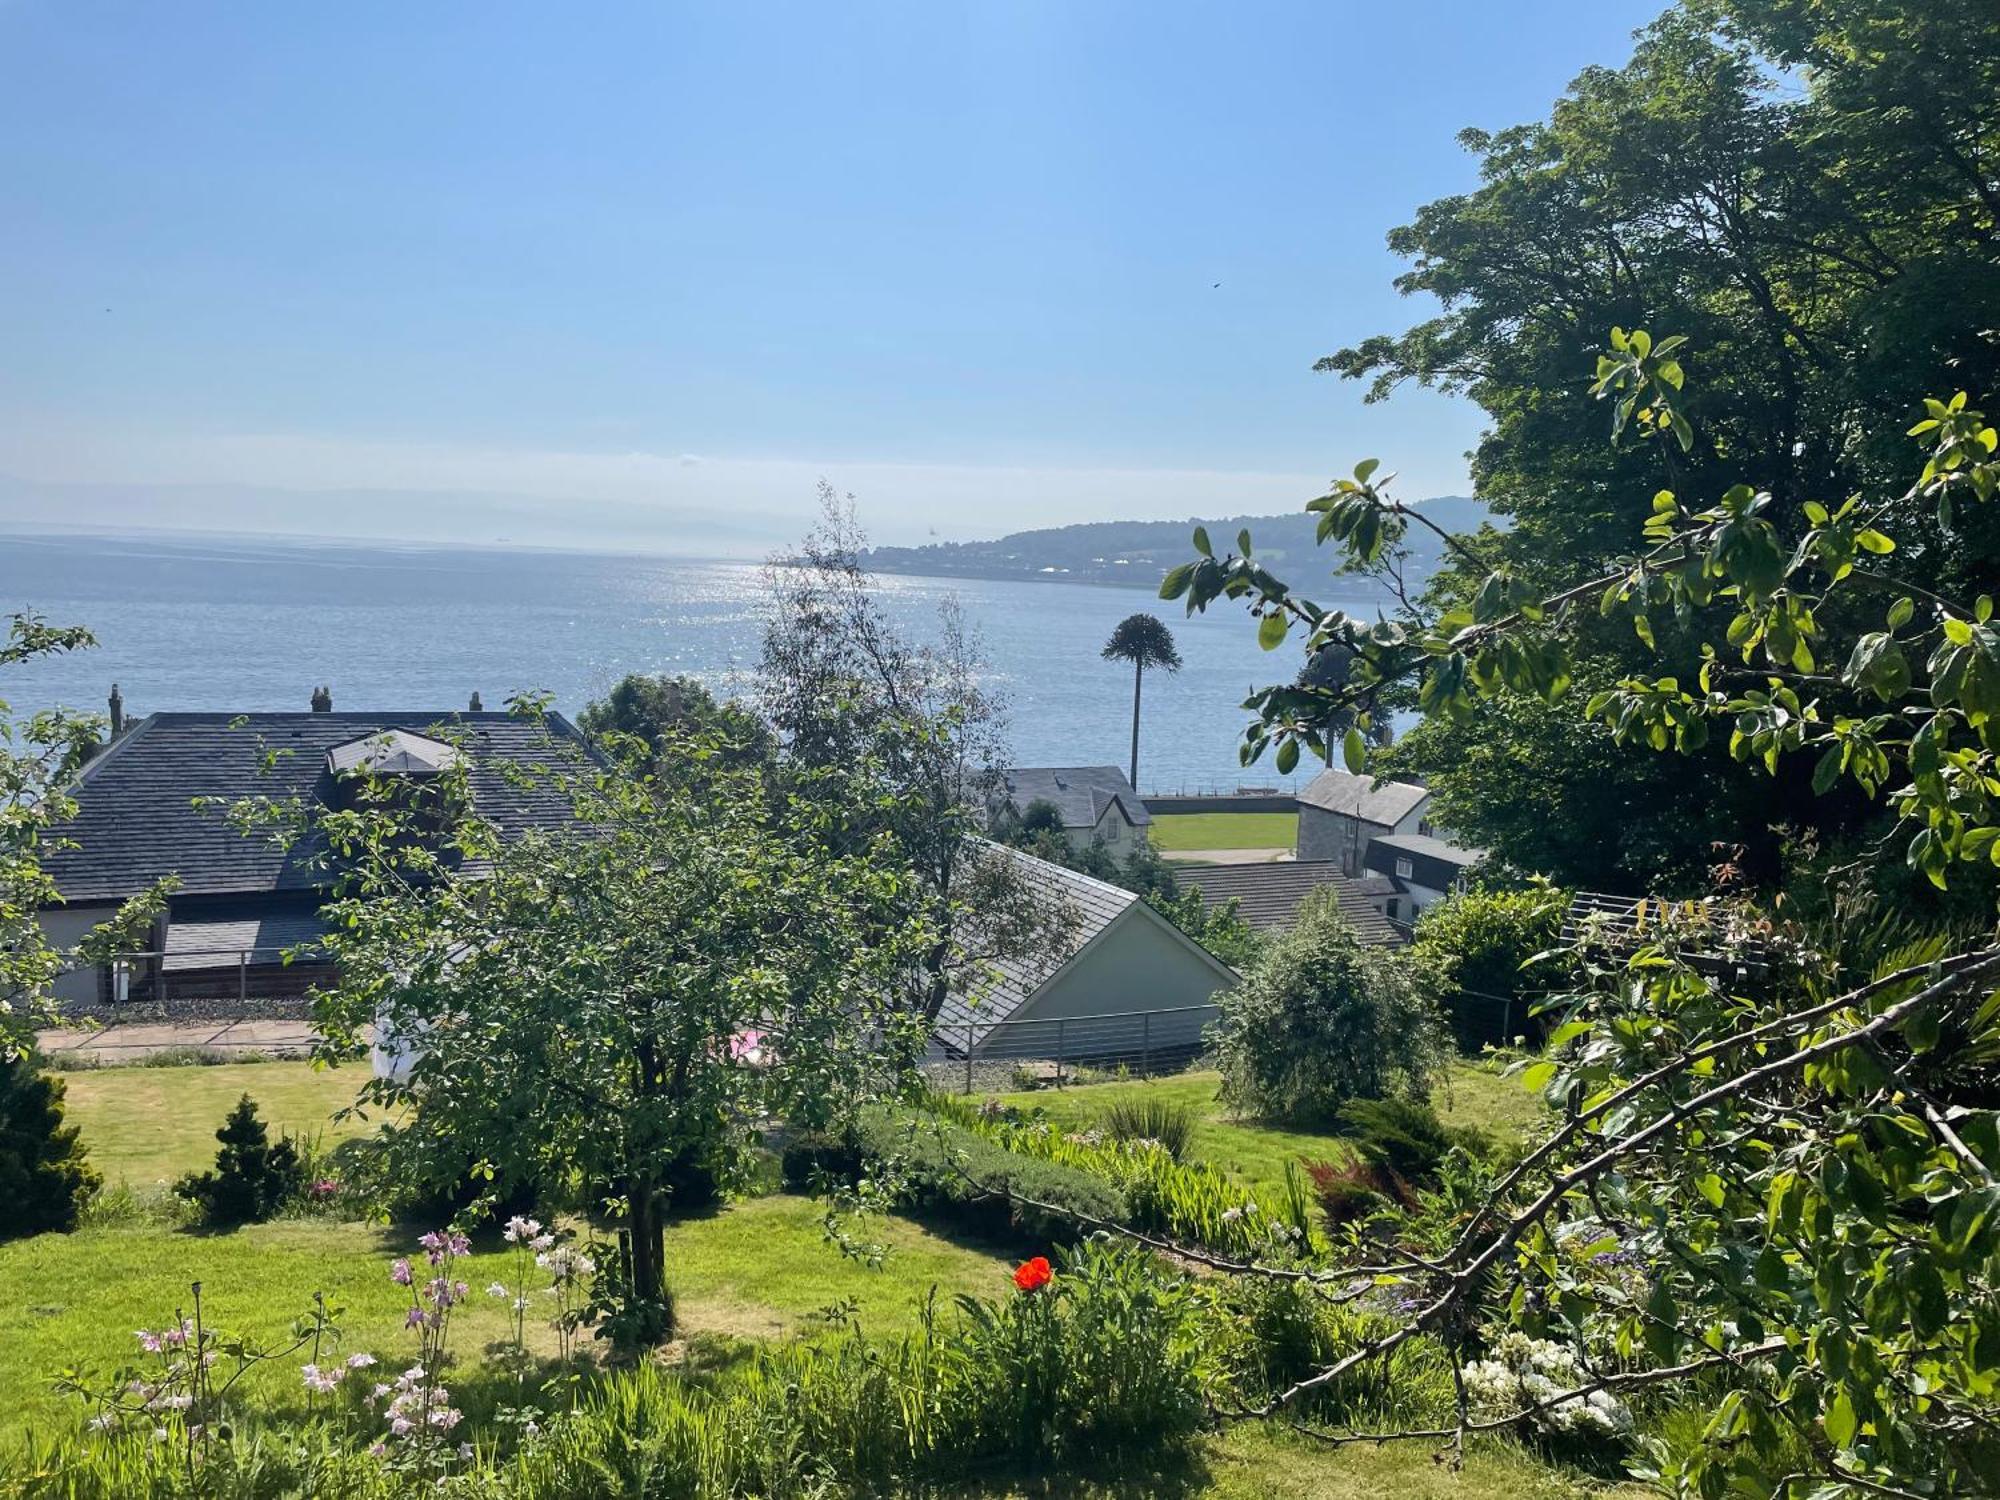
(1340,812)
(243,900)
(1096,803)
(1131,982)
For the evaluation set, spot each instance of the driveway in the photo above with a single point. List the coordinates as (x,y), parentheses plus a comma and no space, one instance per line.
(129,1041)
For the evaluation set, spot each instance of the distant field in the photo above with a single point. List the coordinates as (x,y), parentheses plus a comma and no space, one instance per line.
(1226,830)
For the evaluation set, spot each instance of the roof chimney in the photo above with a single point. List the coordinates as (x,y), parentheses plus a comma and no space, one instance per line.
(322,700)
(476,706)
(117,712)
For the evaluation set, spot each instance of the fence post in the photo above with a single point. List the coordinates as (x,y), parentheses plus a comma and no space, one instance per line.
(243,978)
(968,1055)
(1146,1044)
(1062,1029)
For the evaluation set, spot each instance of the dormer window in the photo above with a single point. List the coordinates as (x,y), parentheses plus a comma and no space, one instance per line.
(394,760)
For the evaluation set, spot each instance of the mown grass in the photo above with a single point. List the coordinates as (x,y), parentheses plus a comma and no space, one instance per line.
(1226,830)
(758,1269)
(1476,1094)
(149,1125)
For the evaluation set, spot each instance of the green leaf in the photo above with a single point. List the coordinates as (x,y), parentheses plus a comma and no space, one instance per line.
(1840,1420)
(1288,757)
(1354,750)
(1272,628)
(1901,611)
(1365,468)
(1201,542)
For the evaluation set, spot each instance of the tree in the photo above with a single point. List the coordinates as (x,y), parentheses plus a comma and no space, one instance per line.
(1143,641)
(849,694)
(45,1178)
(1800,1154)
(38,756)
(1321,1019)
(253,1177)
(1493,945)
(1806,191)
(703,950)
(665,712)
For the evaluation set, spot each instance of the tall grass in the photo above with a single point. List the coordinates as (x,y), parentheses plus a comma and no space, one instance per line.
(1167,1123)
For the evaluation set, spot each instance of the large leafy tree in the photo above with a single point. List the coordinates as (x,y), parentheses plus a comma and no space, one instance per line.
(1149,646)
(1797,1151)
(915,740)
(664,712)
(1806,190)
(575,1011)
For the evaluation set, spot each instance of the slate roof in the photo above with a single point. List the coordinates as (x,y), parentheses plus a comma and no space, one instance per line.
(1012,983)
(1363,797)
(214,941)
(1434,862)
(135,822)
(1269,895)
(1080,793)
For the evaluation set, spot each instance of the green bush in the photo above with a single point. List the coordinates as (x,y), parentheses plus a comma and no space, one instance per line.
(253,1179)
(957,1171)
(1321,1019)
(45,1179)
(1169,1124)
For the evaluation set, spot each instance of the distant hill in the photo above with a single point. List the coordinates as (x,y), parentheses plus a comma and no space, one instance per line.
(1140,552)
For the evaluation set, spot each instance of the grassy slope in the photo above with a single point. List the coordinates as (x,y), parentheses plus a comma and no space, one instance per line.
(148,1125)
(1226,830)
(756,1270)
(1258,1153)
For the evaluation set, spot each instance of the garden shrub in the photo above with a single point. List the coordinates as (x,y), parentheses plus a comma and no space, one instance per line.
(1320,1019)
(958,1172)
(1407,1138)
(45,1179)
(253,1177)
(1494,945)
(1168,1124)
(1350,1191)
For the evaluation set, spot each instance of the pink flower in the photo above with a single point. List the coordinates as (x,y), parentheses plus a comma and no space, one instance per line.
(148,1341)
(400,1273)
(360,1361)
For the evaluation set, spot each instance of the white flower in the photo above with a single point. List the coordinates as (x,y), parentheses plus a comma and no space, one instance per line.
(360,1361)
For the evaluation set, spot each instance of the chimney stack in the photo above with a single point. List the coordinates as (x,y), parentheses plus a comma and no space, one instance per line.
(476,706)
(322,700)
(117,712)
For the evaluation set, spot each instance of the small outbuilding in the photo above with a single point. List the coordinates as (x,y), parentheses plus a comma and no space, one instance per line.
(1132,988)
(1095,803)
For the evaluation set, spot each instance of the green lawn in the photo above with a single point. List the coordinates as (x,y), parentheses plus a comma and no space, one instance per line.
(755,1270)
(1226,830)
(149,1125)
(1257,1153)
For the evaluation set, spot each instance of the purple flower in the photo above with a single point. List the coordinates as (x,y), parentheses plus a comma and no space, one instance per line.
(400,1273)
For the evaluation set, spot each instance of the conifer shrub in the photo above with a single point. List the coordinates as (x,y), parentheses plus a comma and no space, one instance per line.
(254,1177)
(45,1178)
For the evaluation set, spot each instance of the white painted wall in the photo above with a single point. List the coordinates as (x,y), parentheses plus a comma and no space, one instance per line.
(66,926)
(1137,964)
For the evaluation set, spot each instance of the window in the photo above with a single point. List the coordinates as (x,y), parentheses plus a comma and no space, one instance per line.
(1405,869)
(1393,912)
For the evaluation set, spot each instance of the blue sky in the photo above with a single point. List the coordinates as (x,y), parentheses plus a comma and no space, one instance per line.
(637,274)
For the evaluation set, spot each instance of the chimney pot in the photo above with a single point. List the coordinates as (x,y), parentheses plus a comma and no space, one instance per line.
(117,712)
(322,700)
(476,706)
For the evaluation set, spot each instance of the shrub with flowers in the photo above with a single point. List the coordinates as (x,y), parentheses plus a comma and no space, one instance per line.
(416,1406)
(1526,1374)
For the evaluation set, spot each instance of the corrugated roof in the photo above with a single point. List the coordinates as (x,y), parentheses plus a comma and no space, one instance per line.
(1010,983)
(1269,895)
(136,822)
(1363,797)
(1080,793)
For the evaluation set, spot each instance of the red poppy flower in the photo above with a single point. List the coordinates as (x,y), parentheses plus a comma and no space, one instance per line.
(1033,1274)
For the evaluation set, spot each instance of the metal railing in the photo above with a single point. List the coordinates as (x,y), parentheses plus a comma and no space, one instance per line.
(155,976)
(1056,1049)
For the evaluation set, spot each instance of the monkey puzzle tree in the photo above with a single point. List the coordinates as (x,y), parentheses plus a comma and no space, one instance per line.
(1143,641)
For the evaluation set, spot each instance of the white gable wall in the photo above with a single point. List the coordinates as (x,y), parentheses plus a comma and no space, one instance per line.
(1139,963)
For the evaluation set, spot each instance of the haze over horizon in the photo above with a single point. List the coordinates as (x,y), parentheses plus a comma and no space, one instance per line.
(468,274)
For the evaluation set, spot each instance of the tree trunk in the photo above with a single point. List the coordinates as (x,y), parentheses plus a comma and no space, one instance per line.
(649,1248)
(1138,677)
